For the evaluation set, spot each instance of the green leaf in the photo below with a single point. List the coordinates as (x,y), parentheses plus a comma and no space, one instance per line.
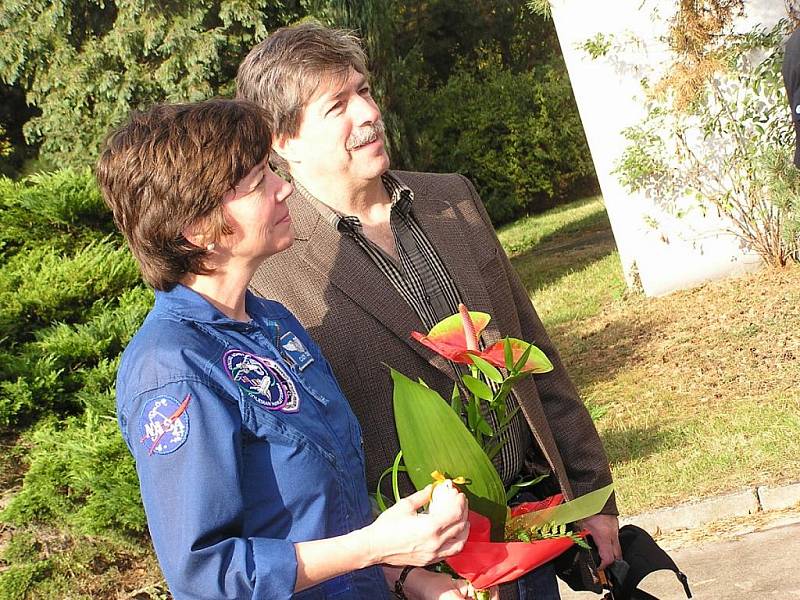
(494,446)
(477,387)
(506,420)
(455,401)
(509,352)
(569,512)
(488,369)
(514,489)
(395,472)
(485,428)
(472,414)
(378,494)
(433,438)
(524,358)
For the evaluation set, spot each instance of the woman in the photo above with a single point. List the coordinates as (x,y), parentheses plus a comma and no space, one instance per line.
(249,458)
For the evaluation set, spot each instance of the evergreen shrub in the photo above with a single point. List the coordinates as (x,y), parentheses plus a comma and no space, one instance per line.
(516,135)
(70,299)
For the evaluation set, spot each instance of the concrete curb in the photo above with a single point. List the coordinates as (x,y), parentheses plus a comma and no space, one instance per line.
(738,504)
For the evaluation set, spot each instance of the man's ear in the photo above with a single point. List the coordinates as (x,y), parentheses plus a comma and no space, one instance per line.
(287,148)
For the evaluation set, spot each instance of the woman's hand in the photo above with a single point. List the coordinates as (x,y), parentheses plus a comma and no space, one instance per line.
(401,536)
(426,585)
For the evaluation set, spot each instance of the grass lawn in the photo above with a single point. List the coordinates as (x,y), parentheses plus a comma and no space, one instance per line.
(695,393)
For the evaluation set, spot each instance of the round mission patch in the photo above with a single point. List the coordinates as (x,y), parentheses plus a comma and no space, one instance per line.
(263,379)
(163,424)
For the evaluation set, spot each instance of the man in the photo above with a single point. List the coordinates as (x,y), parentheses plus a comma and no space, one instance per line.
(791,78)
(379,254)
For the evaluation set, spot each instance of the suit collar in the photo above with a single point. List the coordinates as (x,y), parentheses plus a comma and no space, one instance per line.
(339,258)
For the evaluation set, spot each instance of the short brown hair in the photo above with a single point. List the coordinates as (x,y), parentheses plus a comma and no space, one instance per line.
(166,170)
(283,72)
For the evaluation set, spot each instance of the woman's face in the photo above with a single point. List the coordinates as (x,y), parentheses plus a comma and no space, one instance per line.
(258,214)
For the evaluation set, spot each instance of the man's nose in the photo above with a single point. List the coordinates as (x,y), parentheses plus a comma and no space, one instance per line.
(367,111)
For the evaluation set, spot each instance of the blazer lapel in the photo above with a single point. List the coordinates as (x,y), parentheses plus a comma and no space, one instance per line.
(449,235)
(339,258)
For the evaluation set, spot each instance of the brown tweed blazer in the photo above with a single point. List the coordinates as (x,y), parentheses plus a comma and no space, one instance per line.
(360,322)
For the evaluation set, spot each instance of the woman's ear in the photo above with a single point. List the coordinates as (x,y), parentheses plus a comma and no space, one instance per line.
(197,236)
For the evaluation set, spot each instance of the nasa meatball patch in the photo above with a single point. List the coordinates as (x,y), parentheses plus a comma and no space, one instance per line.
(164,424)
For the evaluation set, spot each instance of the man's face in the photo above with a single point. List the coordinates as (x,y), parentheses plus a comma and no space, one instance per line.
(341,135)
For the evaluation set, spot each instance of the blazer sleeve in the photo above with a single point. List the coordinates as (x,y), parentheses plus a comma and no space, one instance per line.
(574,431)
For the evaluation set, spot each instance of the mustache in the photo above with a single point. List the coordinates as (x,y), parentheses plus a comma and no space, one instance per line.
(366,134)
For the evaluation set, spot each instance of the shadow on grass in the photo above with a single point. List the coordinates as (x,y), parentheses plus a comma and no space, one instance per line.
(546,264)
(599,354)
(623,445)
(572,232)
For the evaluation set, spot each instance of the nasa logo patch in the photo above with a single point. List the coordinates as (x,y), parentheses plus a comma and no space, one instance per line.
(263,379)
(164,424)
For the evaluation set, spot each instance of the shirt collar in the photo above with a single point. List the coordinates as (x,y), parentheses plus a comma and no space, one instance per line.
(402,198)
(188,304)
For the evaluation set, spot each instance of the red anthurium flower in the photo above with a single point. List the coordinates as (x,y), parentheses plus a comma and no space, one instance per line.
(447,337)
(527,507)
(485,564)
(455,338)
(537,361)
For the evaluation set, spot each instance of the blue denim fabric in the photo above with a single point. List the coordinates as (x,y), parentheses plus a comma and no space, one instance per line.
(244,445)
(539,584)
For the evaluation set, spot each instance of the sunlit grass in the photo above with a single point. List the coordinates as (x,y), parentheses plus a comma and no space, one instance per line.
(578,216)
(694,394)
(581,293)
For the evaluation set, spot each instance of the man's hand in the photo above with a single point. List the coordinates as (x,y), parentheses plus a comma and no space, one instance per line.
(426,585)
(604,530)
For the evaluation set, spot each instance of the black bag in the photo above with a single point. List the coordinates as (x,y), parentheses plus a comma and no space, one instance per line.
(640,557)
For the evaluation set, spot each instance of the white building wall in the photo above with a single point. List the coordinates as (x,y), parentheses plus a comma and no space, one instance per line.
(678,252)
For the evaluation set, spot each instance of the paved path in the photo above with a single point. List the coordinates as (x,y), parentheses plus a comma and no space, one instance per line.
(760,565)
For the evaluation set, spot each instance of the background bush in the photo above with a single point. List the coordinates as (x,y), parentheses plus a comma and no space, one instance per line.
(516,135)
(70,299)
(447,73)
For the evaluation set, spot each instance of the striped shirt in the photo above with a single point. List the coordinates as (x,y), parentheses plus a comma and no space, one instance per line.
(422,280)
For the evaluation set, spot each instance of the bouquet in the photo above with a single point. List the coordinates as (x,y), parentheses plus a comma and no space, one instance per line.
(453,440)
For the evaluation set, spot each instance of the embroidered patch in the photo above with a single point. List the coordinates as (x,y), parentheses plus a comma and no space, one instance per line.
(263,379)
(164,424)
(295,351)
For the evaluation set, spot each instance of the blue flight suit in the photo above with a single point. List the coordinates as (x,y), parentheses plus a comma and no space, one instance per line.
(244,444)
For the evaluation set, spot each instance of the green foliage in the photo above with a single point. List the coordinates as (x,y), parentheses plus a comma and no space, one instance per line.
(718,148)
(517,136)
(50,563)
(540,7)
(85,65)
(70,299)
(80,474)
(44,285)
(19,578)
(597,46)
(782,181)
(57,210)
